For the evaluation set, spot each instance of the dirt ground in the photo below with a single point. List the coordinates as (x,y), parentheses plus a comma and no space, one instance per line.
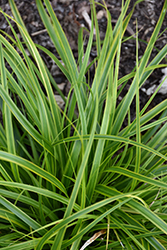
(69,13)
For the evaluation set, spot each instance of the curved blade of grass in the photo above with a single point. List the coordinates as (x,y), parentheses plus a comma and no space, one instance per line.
(28,245)
(20,214)
(157,141)
(5,174)
(5,240)
(23,121)
(133,124)
(154,63)
(27,201)
(54,58)
(12,218)
(152,67)
(137,176)
(153,131)
(19,67)
(144,211)
(149,215)
(42,191)
(8,118)
(14,59)
(149,126)
(93,223)
(29,106)
(140,237)
(155,243)
(69,219)
(131,236)
(34,84)
(146,118)
(114,138)
(33,168)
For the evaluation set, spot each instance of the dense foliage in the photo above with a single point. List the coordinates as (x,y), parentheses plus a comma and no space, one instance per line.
(67,176)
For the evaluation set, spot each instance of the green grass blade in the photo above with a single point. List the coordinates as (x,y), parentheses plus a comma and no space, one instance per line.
(118,139)
(125,104)
(8,118)
(138,135)
(59,39)
(24,122)
(138,177)
(80,177)
(32,167)
(42,191)
(28,245)
(23,216)
(82,212)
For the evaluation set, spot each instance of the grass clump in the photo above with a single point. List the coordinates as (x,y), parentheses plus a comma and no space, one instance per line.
(58,190)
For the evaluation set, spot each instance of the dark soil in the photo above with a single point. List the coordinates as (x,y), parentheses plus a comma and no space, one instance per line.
(68,13)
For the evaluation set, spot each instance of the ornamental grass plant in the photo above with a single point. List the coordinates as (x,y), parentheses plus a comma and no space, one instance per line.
(67,179)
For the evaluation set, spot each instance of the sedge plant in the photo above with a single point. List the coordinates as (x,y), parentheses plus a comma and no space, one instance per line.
(66,177)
